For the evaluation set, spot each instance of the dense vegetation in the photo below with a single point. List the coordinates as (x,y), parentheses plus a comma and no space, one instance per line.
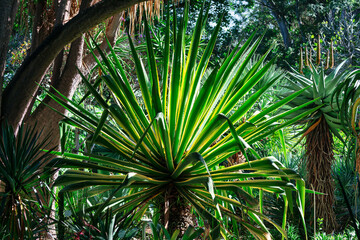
(186,120)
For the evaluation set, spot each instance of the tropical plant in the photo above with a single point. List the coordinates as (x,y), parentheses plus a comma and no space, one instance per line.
(24,204)
(344,170)
(174,142)
(354,221)
(159,231)
(320,126)
(81,224)
(347,171)
(350,91)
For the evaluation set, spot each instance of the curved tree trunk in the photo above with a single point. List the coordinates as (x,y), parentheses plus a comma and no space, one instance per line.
(62,81)
(18,95)
(69,80)
(320,156)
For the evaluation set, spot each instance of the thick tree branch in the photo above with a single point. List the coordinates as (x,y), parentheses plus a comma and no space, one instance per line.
(18,94)
(69,81)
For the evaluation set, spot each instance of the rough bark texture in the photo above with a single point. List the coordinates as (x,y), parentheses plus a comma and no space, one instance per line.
(62,10)
(320,156)
(69,81)
(19,93)
(62,14)
(176,212)
(237,158)
(8,9)
(41,24)
(65,84)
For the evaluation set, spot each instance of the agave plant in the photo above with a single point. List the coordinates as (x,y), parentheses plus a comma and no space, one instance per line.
(320,126)
(173,142)
(23,203)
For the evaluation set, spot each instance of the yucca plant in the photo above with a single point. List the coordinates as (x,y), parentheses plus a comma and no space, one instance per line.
(319,128)
(174,141)
(24,206)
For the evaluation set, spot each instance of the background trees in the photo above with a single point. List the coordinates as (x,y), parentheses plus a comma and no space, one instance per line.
(56,48)
(66,21)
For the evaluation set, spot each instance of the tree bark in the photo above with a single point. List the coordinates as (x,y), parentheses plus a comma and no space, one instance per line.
(64,84)
(8,9)
(283,26)
(281,21)
(39,31)
(19,93)
(69,81)
(62,14)
(176,212)
(320,156)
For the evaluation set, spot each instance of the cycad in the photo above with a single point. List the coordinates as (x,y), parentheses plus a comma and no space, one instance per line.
(167,142)
(320,126)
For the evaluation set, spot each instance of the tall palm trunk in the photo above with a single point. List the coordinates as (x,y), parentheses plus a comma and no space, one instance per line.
(320,156)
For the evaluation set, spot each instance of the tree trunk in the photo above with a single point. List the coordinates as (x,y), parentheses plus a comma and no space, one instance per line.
(176,212)
(281,21)
(64,84)
(283,26)
(69,81)
(40,29)
(320,156)
(62,15)
(19,93)
(8,9)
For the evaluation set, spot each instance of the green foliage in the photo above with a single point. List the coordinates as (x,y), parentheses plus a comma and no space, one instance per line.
(320,89)
(349,234)
(80,222)
(159,232)
(178,137)
(23,175)
(341,24)
(350,92)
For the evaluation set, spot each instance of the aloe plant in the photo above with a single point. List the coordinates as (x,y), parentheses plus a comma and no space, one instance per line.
(173,142)
(349,92)
(320,127)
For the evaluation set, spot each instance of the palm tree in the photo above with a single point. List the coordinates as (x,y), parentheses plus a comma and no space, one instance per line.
(319,128)
(167,140)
